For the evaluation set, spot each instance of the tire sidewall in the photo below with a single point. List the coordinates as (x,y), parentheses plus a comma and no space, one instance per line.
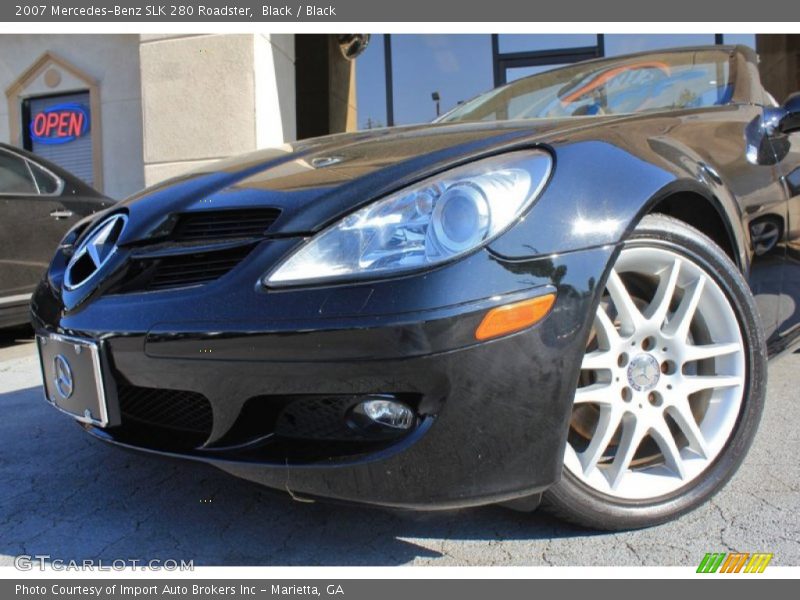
(591,507)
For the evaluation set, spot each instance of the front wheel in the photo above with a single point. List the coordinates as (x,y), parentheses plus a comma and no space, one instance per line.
(672,384)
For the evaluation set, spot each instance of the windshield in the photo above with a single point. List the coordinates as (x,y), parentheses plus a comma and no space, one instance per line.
(658,81)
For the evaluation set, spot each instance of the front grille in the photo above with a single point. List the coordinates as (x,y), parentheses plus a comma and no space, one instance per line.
(223,224)
(194,249)
(194,269)
(182,270)
(166,409)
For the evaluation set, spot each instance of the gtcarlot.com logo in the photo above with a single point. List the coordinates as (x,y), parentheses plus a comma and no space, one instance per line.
(41,562)
(735,562)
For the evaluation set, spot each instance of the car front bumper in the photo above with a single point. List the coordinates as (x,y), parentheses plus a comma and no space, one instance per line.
(492,416)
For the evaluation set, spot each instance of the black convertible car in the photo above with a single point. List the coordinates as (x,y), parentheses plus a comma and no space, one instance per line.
(563,290)
(39,203)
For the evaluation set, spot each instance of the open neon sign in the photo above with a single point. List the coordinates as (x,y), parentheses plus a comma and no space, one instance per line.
(59,124)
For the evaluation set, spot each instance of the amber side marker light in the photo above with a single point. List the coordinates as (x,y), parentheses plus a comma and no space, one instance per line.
(503,320)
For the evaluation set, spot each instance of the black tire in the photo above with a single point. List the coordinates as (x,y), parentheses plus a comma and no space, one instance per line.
(574,501)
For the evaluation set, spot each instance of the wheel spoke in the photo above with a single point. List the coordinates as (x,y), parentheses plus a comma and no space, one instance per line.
(672,456)
(597,360)
(607,424)
(659,306)
(629,314)
(632,434)
(596,393)
(692,352)
(683,417)
(605,328)
(678,326)
(696,383)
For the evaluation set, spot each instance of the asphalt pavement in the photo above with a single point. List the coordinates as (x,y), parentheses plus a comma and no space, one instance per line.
(73,498)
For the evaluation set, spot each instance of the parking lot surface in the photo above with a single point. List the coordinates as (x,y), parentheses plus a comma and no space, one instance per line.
(73,498)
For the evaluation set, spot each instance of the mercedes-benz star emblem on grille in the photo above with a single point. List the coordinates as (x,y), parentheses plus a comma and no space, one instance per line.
(94,252)
(63,379)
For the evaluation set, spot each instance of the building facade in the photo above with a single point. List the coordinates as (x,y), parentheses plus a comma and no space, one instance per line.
(127,111)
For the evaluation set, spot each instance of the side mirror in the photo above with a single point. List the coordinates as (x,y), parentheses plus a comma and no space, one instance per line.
(790,120)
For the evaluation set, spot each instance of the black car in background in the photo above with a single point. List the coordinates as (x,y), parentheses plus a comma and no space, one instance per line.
(39,203)
(565,289)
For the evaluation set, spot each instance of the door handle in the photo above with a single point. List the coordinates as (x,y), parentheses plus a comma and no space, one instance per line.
(61,214)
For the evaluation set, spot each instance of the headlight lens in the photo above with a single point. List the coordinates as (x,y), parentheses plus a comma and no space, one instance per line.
(428,223)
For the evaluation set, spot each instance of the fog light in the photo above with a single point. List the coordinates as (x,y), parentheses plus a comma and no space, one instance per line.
(389,413)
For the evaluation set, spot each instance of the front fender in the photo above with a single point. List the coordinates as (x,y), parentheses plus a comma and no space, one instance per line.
(600,191)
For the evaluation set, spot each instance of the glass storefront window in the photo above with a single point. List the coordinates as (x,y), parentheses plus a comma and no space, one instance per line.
(623,43)
(745,39)
(513,42)
(514,73)
(371,85)
(625,85)
(458,67)
(58,129)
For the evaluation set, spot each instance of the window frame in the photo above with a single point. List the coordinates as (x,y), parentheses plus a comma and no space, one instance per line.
(60,183)
(502,61)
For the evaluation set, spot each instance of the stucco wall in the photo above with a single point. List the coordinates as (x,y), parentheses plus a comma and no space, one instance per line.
(207,97)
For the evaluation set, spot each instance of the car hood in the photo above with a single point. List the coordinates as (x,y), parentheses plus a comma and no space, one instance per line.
(312,182)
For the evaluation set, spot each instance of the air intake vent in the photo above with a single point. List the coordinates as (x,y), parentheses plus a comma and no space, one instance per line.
(224,224)
(194,269)
(181,270)
(317,418)
(166,409)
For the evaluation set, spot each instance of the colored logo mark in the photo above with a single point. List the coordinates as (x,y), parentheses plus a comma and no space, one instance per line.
(735,562)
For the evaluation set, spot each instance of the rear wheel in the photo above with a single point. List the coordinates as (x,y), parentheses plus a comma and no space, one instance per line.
(671,387)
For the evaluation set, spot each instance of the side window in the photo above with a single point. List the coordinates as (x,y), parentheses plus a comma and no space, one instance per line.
(46,182)
(15,178)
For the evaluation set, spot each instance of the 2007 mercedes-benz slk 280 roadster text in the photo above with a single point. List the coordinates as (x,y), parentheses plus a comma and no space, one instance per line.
(565,289)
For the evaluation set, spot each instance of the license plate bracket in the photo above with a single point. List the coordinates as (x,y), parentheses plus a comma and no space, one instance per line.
(73,375)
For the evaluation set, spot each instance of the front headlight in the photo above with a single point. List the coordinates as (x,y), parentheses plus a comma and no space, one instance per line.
(431,222)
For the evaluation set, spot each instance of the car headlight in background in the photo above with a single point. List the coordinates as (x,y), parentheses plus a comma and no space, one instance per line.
(431,222)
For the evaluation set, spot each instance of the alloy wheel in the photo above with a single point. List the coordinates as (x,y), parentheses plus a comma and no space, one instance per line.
(662,380)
